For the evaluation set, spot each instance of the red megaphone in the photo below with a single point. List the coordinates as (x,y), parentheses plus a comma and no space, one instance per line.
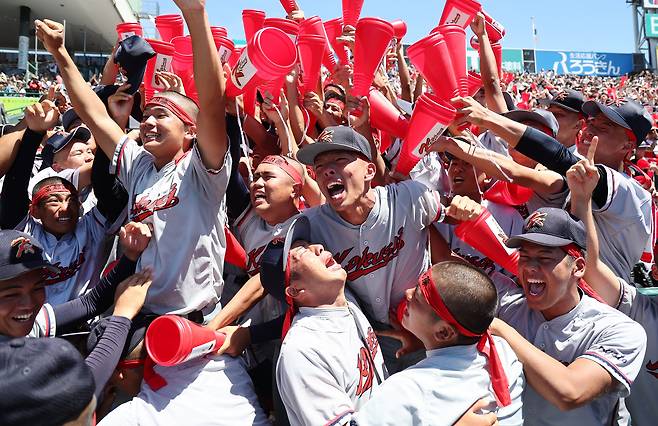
(314,25)
(169,26)
(459,12)
(400,28)
(385,116)
(289,6)
(286,25)
(252,20)
(509,194)
(311,49)
(171,340)
(372,38)
(494,29)
(351,12)
(431,58)
(183,64)
(334,28)
(485,235)
(474,83)
(160,62)
(128,29)
(224,48)
(430,117)
(455,38)
(221,31)
(269,55)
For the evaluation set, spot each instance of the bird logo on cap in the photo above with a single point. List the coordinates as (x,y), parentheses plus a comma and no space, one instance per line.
(615,102)
(326,136)
(536,220)
(23,245)
(560,96)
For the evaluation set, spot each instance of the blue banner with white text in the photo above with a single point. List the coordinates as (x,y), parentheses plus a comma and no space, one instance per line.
(584,63)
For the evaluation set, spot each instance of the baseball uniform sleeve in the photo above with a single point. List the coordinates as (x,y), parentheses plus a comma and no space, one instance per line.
(309,389)
(212,182)
(619,349)
(127,157)
(44,324)
(424,204)
(638,307)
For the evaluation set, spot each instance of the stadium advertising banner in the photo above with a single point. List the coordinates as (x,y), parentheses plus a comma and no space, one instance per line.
(584,63)
(651,24)
(512,60)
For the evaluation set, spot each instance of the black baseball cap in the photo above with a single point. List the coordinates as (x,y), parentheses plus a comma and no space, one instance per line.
(550,227)
(132,55)
(105,91)
(541,116)
(58,142)
(20,253)
(68,118)
(272,263)
(627,114)
(568,99)
(42,382)
(335,138)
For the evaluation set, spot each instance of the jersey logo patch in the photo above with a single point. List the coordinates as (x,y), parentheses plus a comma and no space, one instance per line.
(536,220)
(365,363)
(144,207)
(366,262)
(23,246)
(652,367)
(65,272)
(253,260)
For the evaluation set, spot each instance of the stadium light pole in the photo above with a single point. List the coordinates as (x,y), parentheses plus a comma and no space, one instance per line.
(534,32)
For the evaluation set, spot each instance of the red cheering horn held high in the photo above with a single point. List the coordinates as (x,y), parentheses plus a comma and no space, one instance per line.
(372,38)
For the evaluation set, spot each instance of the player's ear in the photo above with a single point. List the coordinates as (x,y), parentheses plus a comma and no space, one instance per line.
(293,292)
(296,190)
(579,267)
(371,170)
(35,211)
(444,332)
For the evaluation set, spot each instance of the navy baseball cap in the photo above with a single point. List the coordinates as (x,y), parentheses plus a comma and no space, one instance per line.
(68,118)
(550,227)
(272,263)
(132,55)
(541,116)
(627,114)
(42,382)
(568,99)
(335,138)
(58,142)
(20,253)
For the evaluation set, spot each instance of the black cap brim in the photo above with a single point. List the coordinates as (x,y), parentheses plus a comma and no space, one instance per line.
(537,238)
(9,272)
(550,102)
(591,108)
(307,154)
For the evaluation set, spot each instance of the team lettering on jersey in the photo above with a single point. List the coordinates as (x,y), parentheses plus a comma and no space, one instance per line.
(144,207)
(365,363)
(652,368)
(253,260)
(366,262)
(65,272)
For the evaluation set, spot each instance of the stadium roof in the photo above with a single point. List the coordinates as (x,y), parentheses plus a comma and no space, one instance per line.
(96,18)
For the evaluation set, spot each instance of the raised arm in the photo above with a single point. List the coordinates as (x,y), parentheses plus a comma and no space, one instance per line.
(209,75)
(488,68)
(88,106)
(582,178)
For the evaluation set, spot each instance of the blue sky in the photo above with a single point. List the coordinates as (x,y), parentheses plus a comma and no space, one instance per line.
(585,25)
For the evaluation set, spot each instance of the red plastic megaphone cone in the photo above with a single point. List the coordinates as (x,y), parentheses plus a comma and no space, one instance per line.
(127,29)
(249,102)
(509,194)
(224,48)
(169,26)
(351,12)
(221,31)
(183,64)
(252,20)
(431,57)
(400,28)
(384,116)
(459,12)
(498,54)
(233,59)
(385,141)
(455,38)
(372,38)
(314,26)
(474,83)
(274,87)
(286,25)
(430,118)
(160,62)
(235,253)
(289,6)
(171,340)
(334,28)
(485,235)
(494,29)
(311,49)
(401,310)
(269,55)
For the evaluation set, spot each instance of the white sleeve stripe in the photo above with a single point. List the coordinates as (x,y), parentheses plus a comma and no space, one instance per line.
(338,418)
(593,356)
(612,190)
(115,166)
(239,221)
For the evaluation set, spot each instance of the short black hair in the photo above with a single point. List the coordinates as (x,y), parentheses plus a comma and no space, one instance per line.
(468,293)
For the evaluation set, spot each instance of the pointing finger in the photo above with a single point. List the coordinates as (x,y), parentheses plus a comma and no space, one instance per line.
(592,149)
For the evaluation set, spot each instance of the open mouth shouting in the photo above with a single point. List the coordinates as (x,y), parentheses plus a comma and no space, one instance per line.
(535,287)
(336,190)
(258,198)
(330,262)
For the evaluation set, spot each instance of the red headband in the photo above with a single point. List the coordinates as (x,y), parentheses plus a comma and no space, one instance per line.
(574,251)
(496,372)
(284,165)
(46,190)
(173,107)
